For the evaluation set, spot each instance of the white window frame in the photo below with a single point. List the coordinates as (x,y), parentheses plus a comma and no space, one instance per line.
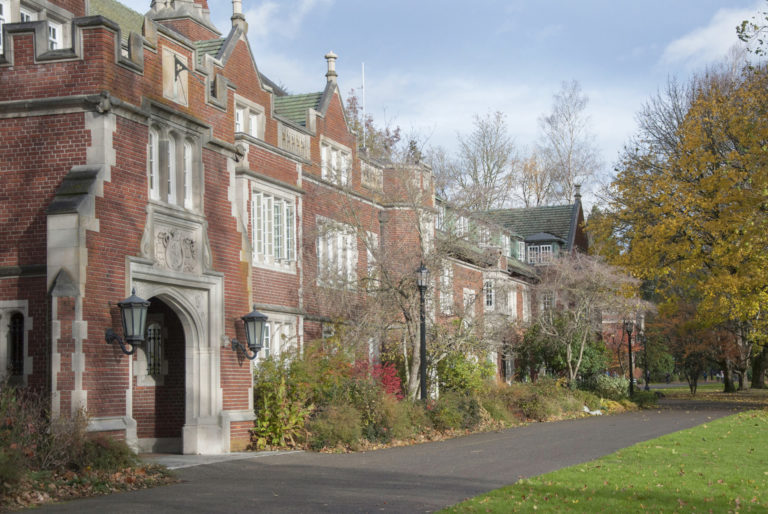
(249,118)
(279,335)
(171,170)
(469,296)
(335,162)
(446,289)
(336,253)
(490,295)
(273,227)
(512,303)
(55,35)
(153,156)
(188,174)
(26,14)
(371,248)
(540,254)
(5,17)
(462,226)
(521,251)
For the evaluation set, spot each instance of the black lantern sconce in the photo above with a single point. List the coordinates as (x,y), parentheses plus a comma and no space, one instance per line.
(254,334)
(133,313)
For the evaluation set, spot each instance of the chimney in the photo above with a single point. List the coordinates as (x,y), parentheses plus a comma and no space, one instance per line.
(577,192)
(238,18)
(331,58)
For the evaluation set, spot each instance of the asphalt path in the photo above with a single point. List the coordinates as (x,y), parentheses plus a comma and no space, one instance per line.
(419,478)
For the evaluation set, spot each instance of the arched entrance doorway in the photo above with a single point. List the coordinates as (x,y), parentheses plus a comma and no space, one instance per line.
(159,381)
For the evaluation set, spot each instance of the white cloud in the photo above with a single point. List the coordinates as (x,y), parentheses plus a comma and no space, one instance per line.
(281,19)
(709,43)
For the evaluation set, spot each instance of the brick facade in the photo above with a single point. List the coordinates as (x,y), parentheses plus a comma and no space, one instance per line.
(121,169)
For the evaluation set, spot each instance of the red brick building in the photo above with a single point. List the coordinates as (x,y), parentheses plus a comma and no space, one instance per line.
(149,153)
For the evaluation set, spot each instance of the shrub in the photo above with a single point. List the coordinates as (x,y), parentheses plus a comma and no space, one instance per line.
(337,424)
(454,410)
(464,374)
(494,403)
(611,388)
(281,416)
(106,454)
(645,399)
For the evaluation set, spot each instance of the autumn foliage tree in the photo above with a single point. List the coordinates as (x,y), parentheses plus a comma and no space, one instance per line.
(689,205)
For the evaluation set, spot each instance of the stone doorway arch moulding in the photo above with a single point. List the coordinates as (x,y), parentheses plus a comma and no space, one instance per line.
(198,300)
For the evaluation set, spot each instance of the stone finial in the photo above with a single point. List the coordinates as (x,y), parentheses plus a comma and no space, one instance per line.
(331,58)
(238,18)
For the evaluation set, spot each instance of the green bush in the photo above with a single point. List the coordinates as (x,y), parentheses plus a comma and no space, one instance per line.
(611,388)
(454,410)
(645,399)
(107,454)
(463,374)
(494,403)
(337,424)
(280,415)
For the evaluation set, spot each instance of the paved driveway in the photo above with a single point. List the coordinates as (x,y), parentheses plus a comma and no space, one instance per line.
(418,478)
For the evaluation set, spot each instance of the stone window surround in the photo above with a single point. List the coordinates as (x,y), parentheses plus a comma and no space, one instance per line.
(187,151)
(249,109)
(41,10)
(342,239)
(344,177)
(279,341)
(259,186)
(7,309)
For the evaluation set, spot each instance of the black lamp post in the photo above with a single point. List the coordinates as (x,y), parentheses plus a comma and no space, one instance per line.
(644,340)
(133,314)
(422,279)
(254,334)
(628,326)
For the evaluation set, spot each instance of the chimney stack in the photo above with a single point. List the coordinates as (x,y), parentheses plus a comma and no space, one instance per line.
(577,192)
(238,18)
(331,58)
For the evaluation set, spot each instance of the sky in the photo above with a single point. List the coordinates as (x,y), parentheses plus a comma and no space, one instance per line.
(431,66)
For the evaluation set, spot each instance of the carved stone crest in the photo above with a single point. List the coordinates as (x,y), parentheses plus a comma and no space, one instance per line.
(176,250)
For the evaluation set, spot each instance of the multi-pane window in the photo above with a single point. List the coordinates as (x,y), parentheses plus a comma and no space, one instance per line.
(54,35)
(521,251)
(335,164)
(5,16)
(462,226)
(278,336)
(273,224)
(154,350)
(187,174)
(16,344)
(336,254)
(172,168)
(371,247)
(249,120)
(539,254)
(547,300)
(441,217)
(154,164)
(512,303)
(490,295)
(446,290)
(26,15)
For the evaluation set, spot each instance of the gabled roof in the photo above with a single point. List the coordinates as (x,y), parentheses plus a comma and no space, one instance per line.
(543,237)
(294,107)
(557,220)
(128,19)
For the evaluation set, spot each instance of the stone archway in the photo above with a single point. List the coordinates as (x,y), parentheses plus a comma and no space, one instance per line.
(198,304)
(159,390)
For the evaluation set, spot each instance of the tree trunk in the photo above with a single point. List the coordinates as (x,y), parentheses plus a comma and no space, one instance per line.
(759,366)
(728,385)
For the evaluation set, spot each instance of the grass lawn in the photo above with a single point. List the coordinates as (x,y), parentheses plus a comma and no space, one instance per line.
(721,466)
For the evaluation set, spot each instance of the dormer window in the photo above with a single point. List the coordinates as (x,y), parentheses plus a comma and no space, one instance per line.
(249,118)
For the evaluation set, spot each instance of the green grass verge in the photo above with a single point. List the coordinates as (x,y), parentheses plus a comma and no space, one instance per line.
(720,466)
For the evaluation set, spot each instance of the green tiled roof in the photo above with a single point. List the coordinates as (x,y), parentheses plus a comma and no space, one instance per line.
(551,219)
(209,47)
(294,107)
(128,19)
